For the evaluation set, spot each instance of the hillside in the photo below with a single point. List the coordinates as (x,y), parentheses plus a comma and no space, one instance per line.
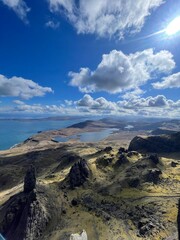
(158,144)
(107,190)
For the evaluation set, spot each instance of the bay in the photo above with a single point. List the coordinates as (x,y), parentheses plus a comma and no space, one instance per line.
(16,131)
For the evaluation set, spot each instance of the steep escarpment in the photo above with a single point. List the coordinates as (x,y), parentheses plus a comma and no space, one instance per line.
(158,144)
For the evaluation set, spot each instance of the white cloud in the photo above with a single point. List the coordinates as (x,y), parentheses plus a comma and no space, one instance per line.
(118,72)
(52,24)
(20,87)
(104,17)
(41,109)
(37,108)
(159,101)
(172,81)
(19,7)
(157,106)
(68,102)
(67,5)
(18,102)
(96,104)
(136,93)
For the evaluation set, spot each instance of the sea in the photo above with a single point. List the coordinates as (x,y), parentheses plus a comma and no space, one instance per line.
(16,131)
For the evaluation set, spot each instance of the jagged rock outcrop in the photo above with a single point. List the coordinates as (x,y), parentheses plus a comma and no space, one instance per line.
(146,169)
(122,150)
(78,174)
(154,159)
(156,144)
(122,160)
(30,180)
(134,182)
(144,226)
(103,162)
(24,216)
(107,149)
(153,175)
(174,164)
(81,236)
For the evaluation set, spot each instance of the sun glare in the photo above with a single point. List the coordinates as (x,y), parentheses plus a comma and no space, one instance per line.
(173,27)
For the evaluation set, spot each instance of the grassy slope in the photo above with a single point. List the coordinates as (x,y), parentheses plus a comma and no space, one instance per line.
(104,184)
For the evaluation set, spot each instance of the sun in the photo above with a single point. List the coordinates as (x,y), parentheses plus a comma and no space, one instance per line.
(173,26)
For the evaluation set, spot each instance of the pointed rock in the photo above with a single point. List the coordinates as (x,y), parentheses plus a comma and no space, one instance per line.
(30,180)
(78,174)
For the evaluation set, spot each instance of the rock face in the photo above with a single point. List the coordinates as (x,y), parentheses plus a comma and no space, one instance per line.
(78,174)
(178,220)
(81,236)
(134,182)
(154,158)
(174,164)
(122,160)
(25,218)
(24,215)
(145,170)
(153,175)
(156,144)
(30,180)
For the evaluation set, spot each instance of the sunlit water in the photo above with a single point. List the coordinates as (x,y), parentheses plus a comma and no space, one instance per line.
(89,136)
(16,131)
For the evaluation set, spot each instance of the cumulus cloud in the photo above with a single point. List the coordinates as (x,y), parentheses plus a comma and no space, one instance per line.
(118,72)
(151,106)
(21,106)
(136,93)
(20,87)
(37,108)
(104,17)
(157,106)
(52,24)
(159,101)
(98,103)
(68,102)
(19,7)
(172,81)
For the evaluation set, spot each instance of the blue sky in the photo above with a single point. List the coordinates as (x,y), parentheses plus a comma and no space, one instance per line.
(89,57)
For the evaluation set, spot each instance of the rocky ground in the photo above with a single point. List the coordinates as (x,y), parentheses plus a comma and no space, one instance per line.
(108,190)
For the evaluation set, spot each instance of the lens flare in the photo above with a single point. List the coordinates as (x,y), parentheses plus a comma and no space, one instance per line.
(173,27)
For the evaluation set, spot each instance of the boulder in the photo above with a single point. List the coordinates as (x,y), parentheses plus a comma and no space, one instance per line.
(81,236)
(174,164)
(108,149)
(144,226)
(122,150)
(132,154)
